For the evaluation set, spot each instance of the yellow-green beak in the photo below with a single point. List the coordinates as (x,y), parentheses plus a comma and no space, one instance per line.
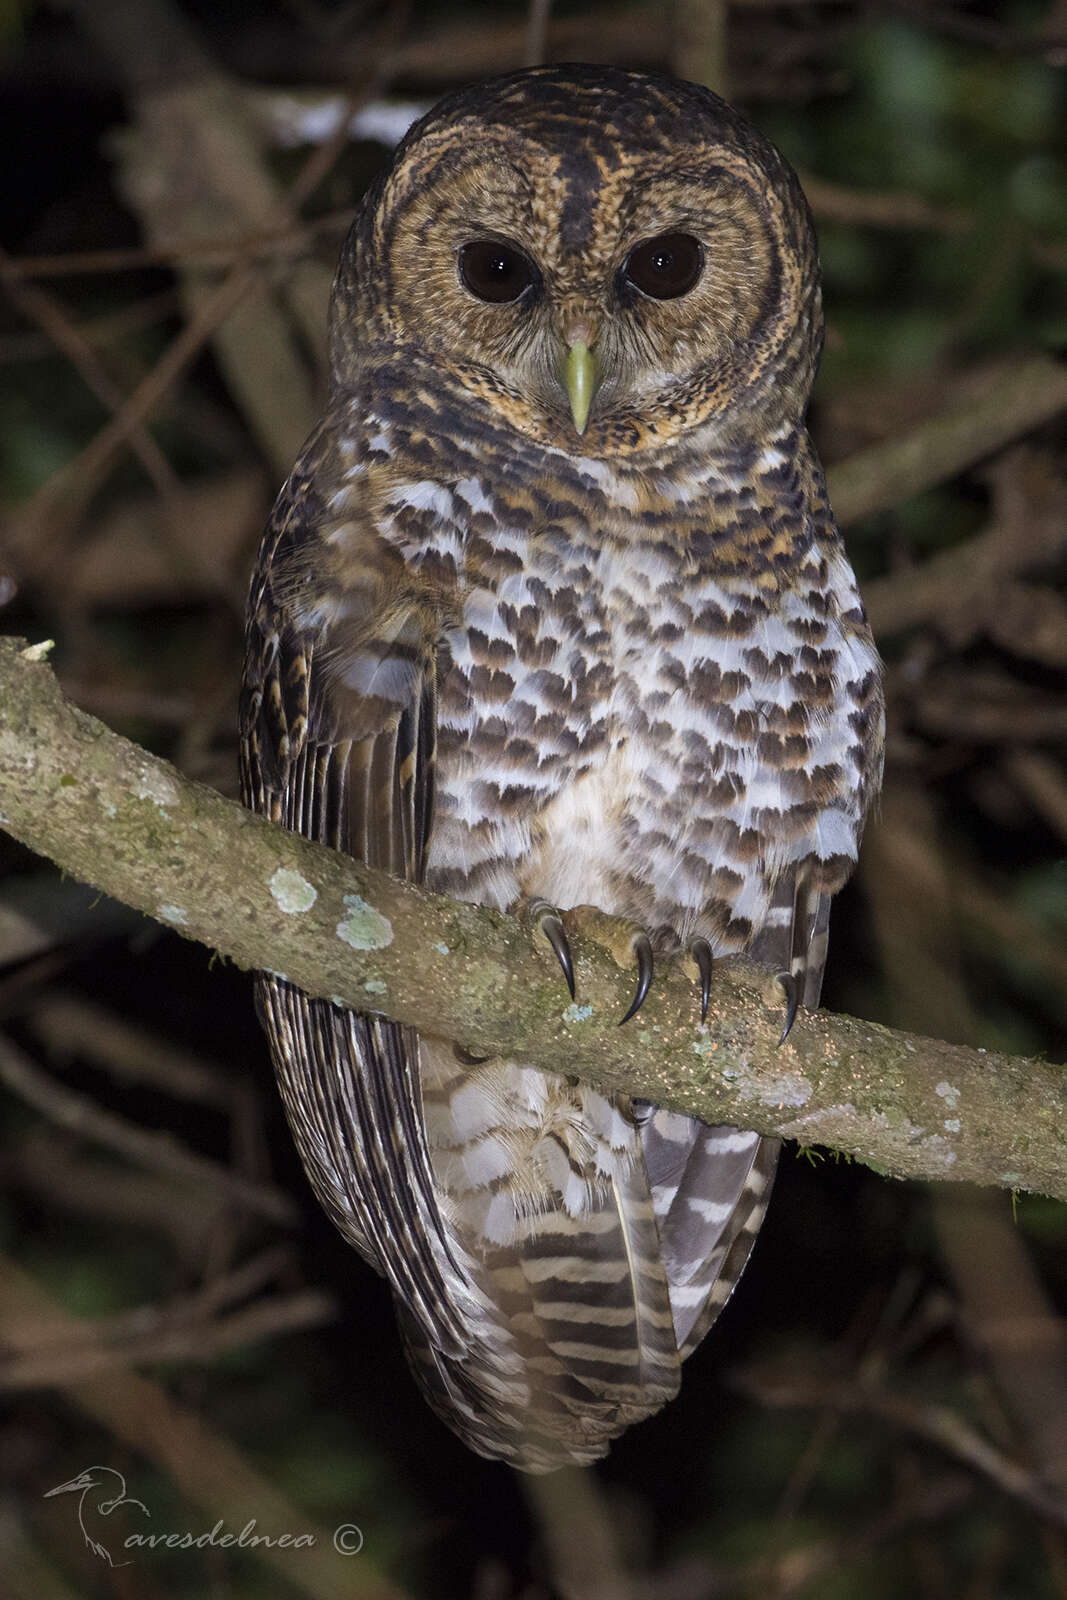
(581,382)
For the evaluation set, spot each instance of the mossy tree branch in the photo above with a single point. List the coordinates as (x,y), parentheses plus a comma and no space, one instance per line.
(110,814)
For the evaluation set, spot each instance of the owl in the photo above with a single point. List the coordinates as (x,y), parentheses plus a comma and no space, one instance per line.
(551,613)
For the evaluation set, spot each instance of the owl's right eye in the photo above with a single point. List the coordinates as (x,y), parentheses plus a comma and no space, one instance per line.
(498,273)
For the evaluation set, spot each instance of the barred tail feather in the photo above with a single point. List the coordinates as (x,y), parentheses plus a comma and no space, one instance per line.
(710,1187)
(576,1339)
(736,1241)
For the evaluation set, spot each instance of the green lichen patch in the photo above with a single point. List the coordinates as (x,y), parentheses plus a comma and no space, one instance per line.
(577,1013)
(362,926)
(291,891)
(38,652)
(157,787)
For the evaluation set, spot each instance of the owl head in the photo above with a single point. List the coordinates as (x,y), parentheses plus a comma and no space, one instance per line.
(605,262)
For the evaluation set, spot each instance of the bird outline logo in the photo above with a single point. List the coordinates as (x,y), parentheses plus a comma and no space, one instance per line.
(98,1477)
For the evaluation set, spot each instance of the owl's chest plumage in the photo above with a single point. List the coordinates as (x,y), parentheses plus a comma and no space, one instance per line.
(632,712)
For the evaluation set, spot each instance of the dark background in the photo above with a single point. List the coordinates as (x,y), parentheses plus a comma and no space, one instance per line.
(882,1410)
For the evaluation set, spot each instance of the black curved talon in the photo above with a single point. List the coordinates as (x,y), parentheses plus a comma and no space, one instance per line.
(549,921)
(700,950)
(792,1001)
(643,952)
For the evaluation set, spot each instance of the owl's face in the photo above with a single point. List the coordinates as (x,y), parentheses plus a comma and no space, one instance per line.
(604,259)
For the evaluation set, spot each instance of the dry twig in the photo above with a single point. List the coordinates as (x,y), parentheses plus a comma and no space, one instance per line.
(65,1361)
(208,1470)
(937,1425)
(158,1151)
(1014,402)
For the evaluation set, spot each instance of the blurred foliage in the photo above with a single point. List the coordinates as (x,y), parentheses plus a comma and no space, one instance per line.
(959,105)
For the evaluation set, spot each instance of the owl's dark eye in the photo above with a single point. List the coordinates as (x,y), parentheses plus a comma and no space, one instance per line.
(665,267)
(495,272)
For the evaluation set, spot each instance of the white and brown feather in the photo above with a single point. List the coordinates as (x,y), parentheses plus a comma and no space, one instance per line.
(631,671)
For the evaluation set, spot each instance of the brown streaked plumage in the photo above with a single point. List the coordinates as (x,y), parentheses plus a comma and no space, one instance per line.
(625,667)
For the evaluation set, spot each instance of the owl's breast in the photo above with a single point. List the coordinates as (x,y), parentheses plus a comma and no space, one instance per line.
(617,726)
(735,745)
(729,749)
(525,686)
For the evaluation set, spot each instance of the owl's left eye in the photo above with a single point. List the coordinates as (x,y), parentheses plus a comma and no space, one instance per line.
(498,273)
(666,267)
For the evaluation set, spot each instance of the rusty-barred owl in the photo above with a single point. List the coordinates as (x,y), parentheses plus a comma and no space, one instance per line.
(552,611)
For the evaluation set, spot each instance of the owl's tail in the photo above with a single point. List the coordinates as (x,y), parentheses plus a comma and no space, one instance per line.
(546,1199)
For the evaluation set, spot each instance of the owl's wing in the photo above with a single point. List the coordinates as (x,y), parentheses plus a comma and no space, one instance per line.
(337,742)
(338,720)
(711,1186)
(794,937)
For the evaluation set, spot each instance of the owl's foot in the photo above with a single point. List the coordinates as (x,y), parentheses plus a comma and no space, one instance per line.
(548,920)
(790,989)
(634,945)
(626,942)
(700,950)
(642,950)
